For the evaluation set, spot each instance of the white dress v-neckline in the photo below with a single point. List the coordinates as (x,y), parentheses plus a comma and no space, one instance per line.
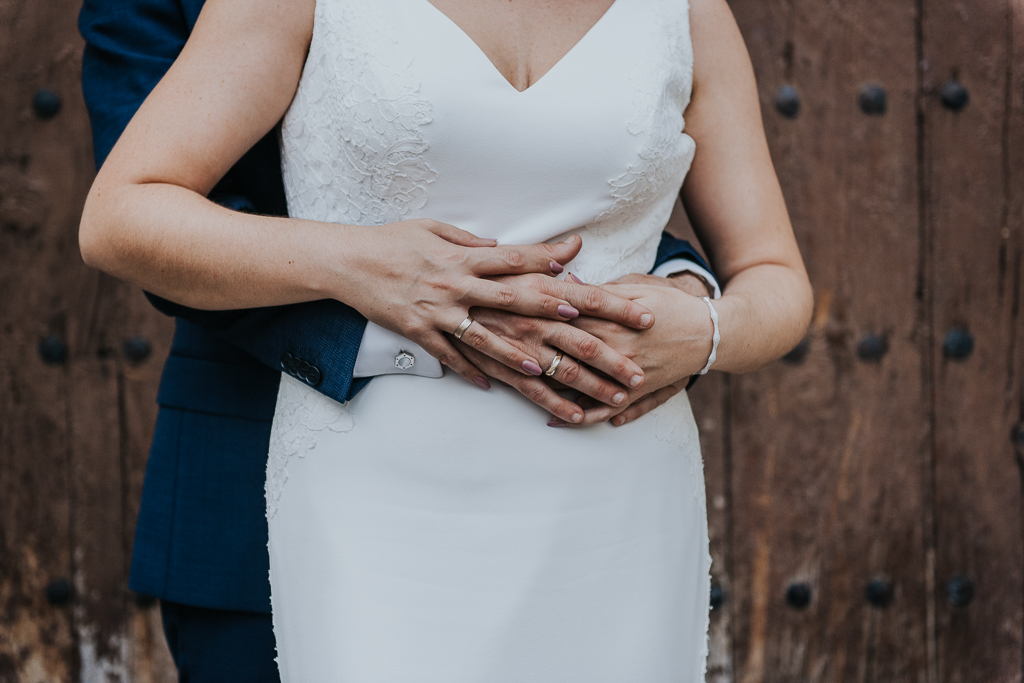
(427,531)
(596,27)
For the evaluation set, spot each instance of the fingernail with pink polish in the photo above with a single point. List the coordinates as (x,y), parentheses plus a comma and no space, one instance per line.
(556,267)
(635,380)
(646,319)
(568,311)
(531,368)
(576,279)
(556,423)
(482,383)
(618,398)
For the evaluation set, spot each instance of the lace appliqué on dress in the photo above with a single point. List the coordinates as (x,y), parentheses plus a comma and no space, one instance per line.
(352,152)
(351,141)
(624,238)
(301,412)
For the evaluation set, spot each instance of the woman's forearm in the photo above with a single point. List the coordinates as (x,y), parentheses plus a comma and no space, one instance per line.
(763,313)
(177,244)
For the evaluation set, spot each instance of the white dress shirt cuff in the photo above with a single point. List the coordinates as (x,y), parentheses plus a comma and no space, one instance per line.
(380,351)
(681,265)
(380,348)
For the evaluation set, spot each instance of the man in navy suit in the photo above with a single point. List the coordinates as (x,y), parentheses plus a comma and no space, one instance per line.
(201,538)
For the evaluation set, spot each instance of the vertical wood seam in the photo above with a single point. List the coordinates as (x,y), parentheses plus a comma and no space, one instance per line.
(75,617)
(1016,272)
(729,535)
(926,326)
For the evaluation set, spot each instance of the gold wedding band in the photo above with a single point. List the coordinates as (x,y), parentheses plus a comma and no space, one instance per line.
(463,327)
(555,362)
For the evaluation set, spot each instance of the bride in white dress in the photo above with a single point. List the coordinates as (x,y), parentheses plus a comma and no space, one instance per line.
(427,529)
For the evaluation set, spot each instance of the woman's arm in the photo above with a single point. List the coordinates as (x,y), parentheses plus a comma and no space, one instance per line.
(734,202)
(147,219)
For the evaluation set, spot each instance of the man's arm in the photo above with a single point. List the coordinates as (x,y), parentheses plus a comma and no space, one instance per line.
(130,45)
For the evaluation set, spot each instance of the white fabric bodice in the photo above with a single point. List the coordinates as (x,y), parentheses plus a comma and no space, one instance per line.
(400,115)
(428,530)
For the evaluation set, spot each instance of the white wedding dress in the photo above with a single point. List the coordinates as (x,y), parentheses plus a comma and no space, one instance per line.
(428,531)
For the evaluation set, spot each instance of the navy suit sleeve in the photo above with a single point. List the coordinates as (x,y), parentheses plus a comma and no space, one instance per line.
(130,45)
(673,248)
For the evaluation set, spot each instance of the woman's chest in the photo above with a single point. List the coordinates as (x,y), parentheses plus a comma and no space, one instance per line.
(399,114)
(524,39)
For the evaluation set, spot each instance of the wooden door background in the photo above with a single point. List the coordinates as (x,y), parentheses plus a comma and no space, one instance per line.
(864,493)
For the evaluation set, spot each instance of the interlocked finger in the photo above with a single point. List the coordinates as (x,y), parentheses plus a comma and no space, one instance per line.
(438,346)
(478,337)
(588,349)
(533,388)
(577,376)
(598,303)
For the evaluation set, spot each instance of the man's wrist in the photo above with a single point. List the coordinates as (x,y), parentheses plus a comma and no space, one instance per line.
(677,266)
(691,283)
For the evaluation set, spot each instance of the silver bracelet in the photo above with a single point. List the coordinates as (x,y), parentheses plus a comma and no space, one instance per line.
(715,339)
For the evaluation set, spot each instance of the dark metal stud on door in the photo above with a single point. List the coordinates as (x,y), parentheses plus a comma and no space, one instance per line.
(46,104)
(871,347)
(136,349)
(717,596)
(954,96)
(957,344)
(879,593)
(53,350)
(960,591)
(59,592)
(798,595)
(799,352)
(872,100)
(787,101)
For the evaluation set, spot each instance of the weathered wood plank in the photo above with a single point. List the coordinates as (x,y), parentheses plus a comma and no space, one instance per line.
(708,399)
(99,552)
(41,189)
(974,198)
(828,453)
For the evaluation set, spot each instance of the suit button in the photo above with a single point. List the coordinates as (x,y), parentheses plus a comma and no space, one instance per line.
(288,363)
(312,375)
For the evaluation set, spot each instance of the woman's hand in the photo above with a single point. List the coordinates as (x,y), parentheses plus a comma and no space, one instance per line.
(589,365)
(670,352)
(419,278)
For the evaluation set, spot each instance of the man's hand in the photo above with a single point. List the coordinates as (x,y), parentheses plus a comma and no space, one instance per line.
(588,365)
(653,393)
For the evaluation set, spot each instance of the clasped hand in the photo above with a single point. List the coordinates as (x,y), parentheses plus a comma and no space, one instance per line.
(614,356)
(420,278)
(599,352)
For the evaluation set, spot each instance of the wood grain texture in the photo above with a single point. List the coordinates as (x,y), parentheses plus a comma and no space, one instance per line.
(973,220)
(67,449)
(829,469)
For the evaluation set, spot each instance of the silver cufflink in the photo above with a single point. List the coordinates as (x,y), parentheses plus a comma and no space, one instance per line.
(405,360)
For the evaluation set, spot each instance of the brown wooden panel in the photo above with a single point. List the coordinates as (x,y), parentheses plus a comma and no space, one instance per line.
(67,448)
(40,191)
(100,577)
(829,469)
(708,402)
(973,159)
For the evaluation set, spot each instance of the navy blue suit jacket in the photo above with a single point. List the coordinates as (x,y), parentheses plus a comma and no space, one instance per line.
(201,536)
